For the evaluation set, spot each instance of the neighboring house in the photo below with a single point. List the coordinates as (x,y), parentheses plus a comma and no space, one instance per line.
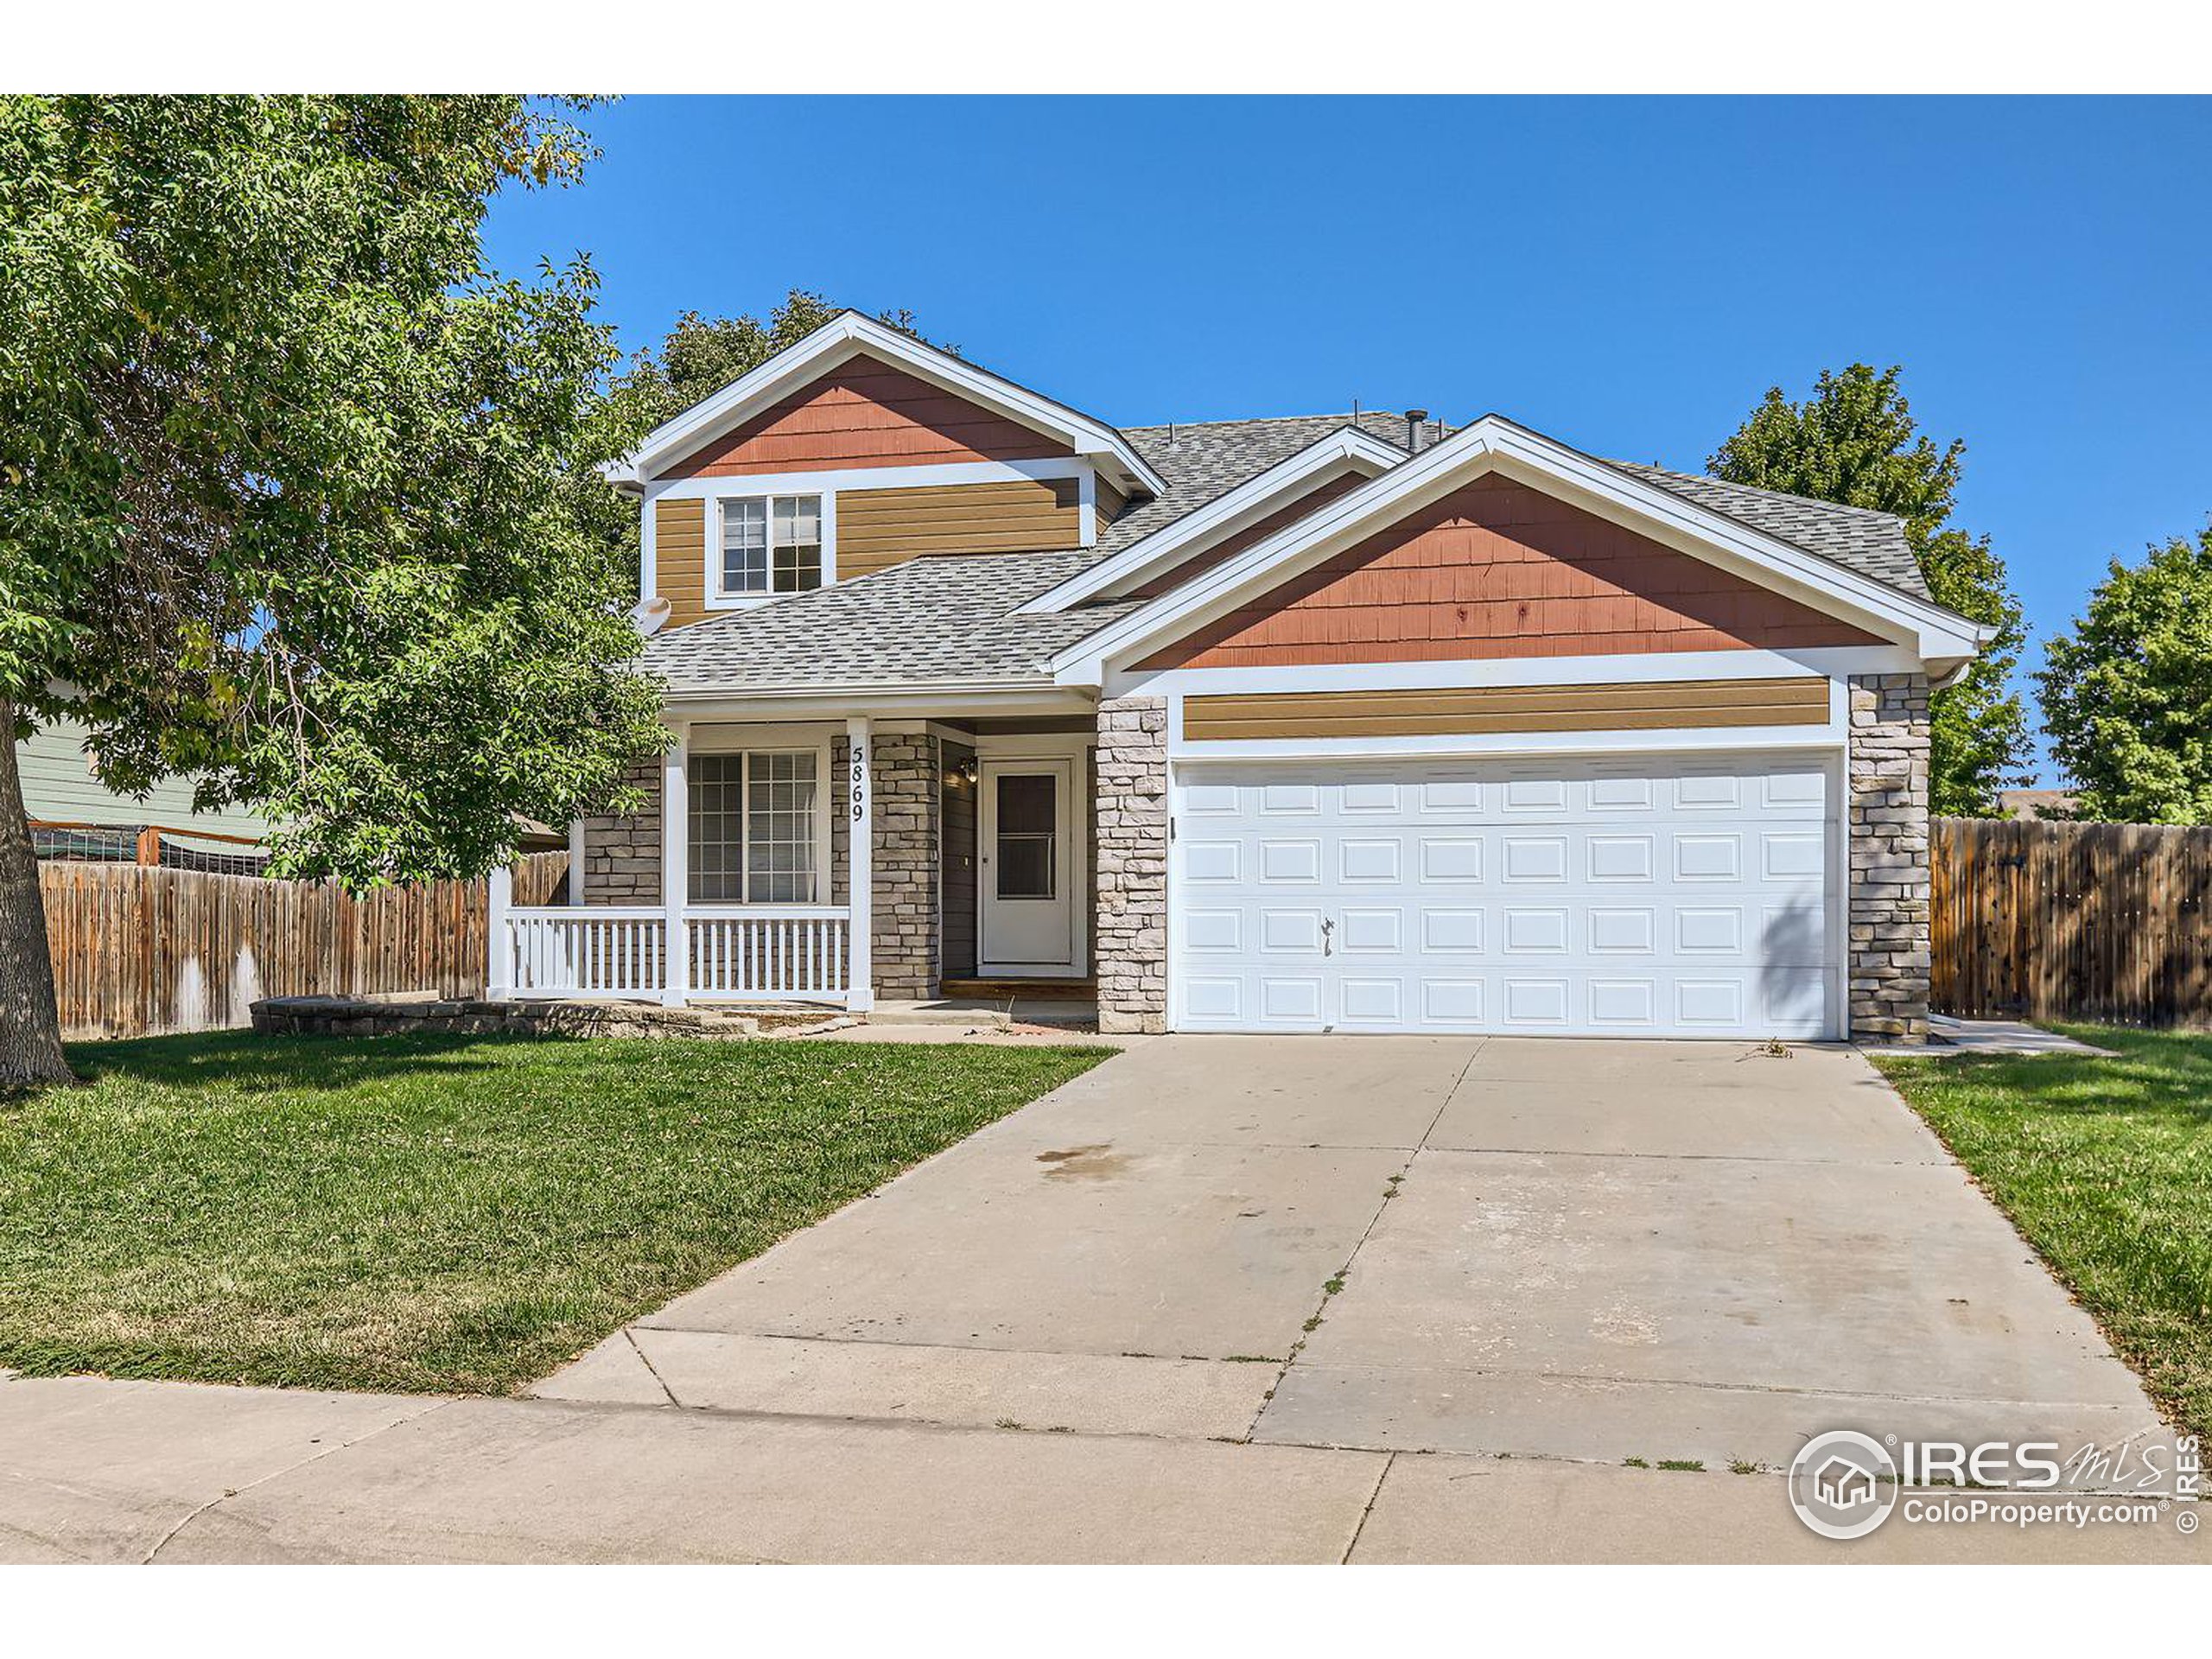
(1282,725)
(73,814)
(2032,805)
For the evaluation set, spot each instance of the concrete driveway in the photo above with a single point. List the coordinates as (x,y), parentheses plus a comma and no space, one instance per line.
(1588,1250)
(1220,1299)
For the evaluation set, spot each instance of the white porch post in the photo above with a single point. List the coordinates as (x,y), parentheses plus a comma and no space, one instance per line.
(859,899)
(675,868)
(499,899)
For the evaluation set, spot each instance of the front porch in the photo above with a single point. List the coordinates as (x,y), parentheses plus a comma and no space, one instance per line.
(947,861)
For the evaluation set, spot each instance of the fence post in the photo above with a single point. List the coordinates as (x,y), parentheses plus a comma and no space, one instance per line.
(500,898)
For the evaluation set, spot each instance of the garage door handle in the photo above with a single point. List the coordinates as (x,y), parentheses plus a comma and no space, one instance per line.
(1327,928)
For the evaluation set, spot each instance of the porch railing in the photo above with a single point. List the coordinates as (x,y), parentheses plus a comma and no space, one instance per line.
(752,954)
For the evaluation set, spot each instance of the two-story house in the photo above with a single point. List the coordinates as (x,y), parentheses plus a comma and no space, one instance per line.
(1280,725)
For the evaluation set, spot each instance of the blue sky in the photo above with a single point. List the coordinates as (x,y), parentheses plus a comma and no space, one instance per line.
(1628,275)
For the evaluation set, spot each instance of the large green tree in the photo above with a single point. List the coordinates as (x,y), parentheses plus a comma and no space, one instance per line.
(287,485)
(2127,696)
(1854,441)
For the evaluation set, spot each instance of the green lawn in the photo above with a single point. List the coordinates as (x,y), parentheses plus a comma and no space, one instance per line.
(2105,1165)
(433,1213)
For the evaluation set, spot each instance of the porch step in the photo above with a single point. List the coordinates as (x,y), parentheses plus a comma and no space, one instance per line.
(1057,990)
(999,1014)
(947,1011)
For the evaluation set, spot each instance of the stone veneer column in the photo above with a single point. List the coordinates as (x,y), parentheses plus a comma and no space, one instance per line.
(622,855)
(1130,815)
(1889,857)
(905,933)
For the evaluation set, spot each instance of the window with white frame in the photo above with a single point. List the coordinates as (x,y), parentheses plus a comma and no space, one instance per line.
(753,827)
(770,545)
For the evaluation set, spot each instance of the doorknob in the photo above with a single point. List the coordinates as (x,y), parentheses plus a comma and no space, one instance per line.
(1327,928)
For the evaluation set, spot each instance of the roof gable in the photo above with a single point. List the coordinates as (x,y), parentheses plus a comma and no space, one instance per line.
(866,412)
(1495,444)
(791,371)
(1498,569)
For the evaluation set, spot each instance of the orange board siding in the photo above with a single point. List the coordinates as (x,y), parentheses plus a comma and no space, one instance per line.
(680,559)
(1258,531)
(866,413)
(1499,570)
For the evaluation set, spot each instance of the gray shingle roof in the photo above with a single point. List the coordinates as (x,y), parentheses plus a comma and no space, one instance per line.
(1858,538)
(951,617)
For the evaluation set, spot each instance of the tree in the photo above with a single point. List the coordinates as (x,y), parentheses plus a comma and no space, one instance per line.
(1854,441)
(2127,696)
(286,486)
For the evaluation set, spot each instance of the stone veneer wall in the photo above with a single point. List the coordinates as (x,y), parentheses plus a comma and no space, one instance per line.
(622,855)
(1889,857)
(905,807)
(1130,813)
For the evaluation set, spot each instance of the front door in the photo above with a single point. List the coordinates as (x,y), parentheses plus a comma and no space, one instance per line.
(1029,870)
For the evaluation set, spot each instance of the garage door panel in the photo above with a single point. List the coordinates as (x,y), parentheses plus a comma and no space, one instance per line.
(1631,898)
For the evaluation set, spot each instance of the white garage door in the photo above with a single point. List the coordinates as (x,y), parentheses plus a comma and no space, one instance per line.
(1629,898)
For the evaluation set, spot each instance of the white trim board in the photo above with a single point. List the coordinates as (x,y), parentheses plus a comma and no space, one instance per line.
(1495,444)
(1723,740)
(868,478)
(849,335)
(1187,537)
(1635,668)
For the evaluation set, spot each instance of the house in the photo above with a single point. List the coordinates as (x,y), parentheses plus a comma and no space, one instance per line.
(73,815)
(2034,805)
(1305,724)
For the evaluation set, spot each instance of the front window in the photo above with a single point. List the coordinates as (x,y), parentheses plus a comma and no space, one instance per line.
(753,830)
(770,545)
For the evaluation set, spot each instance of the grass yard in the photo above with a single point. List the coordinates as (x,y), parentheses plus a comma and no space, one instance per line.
(2105,1165)
(435,1213)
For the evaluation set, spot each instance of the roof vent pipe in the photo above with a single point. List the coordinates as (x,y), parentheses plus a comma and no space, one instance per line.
(1413,418)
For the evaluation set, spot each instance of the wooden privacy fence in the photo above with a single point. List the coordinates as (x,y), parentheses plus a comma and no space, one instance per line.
(2103,922)
(138,949)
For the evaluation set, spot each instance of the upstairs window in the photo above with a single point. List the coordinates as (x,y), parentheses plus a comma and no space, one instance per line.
(770,545)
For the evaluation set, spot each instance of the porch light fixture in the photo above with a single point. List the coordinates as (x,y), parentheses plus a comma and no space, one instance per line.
(968,771)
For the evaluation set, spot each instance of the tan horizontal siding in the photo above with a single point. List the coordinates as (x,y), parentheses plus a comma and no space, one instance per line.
(680,559)
(877,529)
(1682,705)
(1109,504)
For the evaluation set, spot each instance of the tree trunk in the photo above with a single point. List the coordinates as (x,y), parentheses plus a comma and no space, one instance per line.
(30,1027)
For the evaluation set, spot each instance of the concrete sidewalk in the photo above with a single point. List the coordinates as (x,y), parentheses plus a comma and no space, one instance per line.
(100,1470)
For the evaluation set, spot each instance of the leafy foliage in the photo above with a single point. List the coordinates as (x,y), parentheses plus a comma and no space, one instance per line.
(1854,441)
(288,476)
(2127,696)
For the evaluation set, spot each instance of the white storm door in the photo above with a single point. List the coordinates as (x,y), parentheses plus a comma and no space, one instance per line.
(1026,847)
